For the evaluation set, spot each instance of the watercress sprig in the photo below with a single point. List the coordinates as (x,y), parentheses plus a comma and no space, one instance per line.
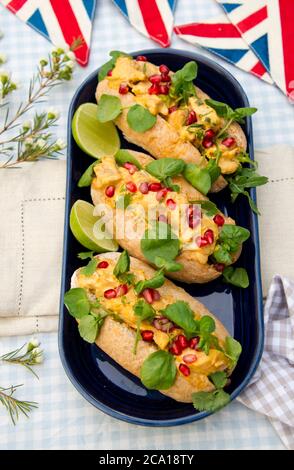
(122,268)
(182,86)
(110,64)
(158,371)
(242,181)
(143,312)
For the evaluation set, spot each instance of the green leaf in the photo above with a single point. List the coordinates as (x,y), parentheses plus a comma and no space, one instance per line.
(123,156)
(140,119)
(123,264)
(210,401)
(90,268)
(109,65)
(159,240)
(165,167)
(236,276)
(86,255)
(213,170)
(182,86)
(221,109)
(109,107)
(233,236)
(89,328)
(77,302)
(158,371)
(206,324)
(87,177)
(144,311)
(219,379)
(182,315)
(244,179)
(221,255)
(208,207)
(240,113)
(154,282)
(233,349)
(166,265)
(199,178)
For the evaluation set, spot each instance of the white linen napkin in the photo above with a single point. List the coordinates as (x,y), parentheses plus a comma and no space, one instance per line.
(271,390)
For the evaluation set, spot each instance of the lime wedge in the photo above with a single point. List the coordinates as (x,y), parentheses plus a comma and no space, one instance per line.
(82,222)
(94,137)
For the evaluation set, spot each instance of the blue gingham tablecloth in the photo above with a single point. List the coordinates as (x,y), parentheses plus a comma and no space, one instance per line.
(64,419)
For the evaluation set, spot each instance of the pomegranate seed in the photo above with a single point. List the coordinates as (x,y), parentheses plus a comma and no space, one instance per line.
(155,79)
(164,70)
(219,220)
(109,191)
(143,188)
(154,187)
(156,295)
(207,143)
(183,342)
(219,267)
(163,90)
(194,216)
(109,73)
(161,194)
(209,236)
(122,290)
(148,295)
(194,342)
(123,89)
(141,58)
(165,78)
(184,369)
(131,187)
(229,141)
(103,265)
(175,349)
(130,167)
(110,294)
(201,242)
(162,218)
(189,358)
(191,118)
(171,204)
(172,109)
(209,134)
(147,335)
(153,90)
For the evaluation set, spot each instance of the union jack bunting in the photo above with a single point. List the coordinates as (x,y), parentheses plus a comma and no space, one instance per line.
(153,18)
(267,27)
(60,21)
(221,37)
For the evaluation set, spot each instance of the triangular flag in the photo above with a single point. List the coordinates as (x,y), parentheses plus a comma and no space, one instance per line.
(221,37)
(60,21)
(153,18)
(267,27)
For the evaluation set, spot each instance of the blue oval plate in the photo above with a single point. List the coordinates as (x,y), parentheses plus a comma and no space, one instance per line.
(99,379)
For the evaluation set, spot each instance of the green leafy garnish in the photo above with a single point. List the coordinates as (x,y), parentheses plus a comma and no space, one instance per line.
(225,111)
(165,168)
(89,327)
(210,401)
(213,169)
(86,178)
(90,268)
(199,178)
(123,201)
(160,241)
(182,86)
(109,107)
(233,349)
(86,254)
(110,64)
(236,276)
(208,207)
(242,180)
(123,156)
(166,265)
(154,282)
(158,371)
(143,311)
(122,268)
(219,379)
(232,237)
(140,119)
(182,315)
(222,255)
(77,302)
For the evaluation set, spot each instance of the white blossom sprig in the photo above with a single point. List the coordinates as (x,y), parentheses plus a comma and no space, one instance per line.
(28,355)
